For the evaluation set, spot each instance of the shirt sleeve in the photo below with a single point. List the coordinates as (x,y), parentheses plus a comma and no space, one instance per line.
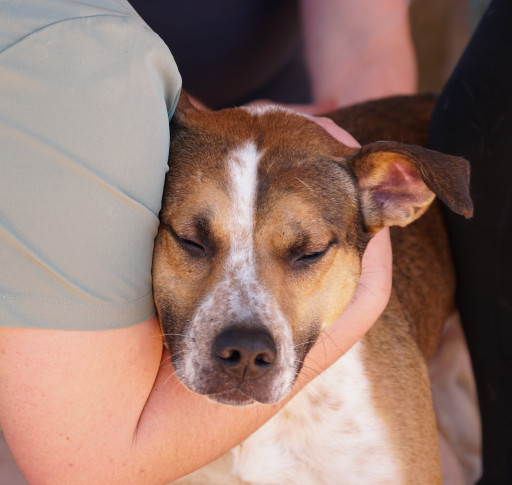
(84,110)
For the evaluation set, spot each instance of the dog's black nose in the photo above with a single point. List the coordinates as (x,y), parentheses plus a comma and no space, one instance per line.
(246,354)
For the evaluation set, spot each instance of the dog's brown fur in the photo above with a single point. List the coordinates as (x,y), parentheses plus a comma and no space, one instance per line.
(424,282)
(422,264)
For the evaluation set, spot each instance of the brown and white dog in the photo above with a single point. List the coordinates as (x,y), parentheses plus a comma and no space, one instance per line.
(264,221)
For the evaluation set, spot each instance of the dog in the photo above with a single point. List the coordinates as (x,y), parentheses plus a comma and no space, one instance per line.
(264,221)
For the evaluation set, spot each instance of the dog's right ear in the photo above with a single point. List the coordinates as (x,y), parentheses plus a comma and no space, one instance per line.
(398,182)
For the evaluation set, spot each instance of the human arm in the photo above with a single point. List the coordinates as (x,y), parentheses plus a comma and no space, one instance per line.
(357,50)
(103,407)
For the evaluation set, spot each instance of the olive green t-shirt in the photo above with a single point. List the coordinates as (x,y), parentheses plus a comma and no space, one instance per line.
(86,92)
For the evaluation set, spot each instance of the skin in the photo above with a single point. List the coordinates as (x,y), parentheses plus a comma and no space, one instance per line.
(355,51)
(104,407)
(382,64)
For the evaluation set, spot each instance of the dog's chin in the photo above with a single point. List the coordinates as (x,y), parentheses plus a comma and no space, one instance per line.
(233,398)
(239,397)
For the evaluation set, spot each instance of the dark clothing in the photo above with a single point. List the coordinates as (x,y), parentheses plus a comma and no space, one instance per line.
(230,52)
(473,118)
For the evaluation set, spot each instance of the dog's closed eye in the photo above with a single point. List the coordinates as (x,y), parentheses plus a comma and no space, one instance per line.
(191,245)
(308,257)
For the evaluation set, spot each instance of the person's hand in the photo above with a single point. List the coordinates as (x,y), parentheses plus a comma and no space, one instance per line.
(196,103)
(372,293)
(335,131)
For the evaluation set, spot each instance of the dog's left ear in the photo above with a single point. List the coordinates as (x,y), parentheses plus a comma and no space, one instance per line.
(398,182)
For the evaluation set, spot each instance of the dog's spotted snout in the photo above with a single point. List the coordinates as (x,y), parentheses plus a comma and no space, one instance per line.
(245,353)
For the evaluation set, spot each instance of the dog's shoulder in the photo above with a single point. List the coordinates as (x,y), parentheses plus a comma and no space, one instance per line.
(424,277)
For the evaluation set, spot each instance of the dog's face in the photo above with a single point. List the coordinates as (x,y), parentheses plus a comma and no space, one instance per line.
(263,225)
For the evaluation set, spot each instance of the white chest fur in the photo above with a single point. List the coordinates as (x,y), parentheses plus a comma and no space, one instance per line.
(328,434)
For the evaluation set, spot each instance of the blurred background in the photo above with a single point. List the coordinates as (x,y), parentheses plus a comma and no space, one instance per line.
(440,31)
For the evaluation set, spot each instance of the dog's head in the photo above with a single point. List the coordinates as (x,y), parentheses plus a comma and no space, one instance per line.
(264,221)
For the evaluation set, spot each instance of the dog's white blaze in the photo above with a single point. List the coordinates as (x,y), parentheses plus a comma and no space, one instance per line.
(243,171)
(241,275)
(238,296)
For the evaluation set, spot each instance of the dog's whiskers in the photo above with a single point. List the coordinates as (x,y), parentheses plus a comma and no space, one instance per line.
(304,183)
(304,344)
(331,339)
(168,334)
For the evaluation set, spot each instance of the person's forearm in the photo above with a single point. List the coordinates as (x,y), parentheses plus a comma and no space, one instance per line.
(358,50)
(72,415)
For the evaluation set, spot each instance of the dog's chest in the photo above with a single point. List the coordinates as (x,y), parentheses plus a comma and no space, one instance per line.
(328,434)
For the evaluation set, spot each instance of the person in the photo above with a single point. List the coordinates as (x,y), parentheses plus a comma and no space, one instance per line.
(88,393)
(473,119)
